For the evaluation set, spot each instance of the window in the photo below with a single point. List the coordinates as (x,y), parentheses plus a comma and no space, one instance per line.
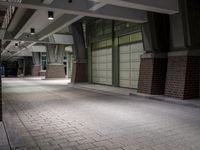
(43,61)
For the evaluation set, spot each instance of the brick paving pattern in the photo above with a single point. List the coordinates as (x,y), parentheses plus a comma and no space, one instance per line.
(49,115)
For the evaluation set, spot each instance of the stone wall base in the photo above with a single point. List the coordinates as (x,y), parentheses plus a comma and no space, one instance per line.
(35,70)
(55,71)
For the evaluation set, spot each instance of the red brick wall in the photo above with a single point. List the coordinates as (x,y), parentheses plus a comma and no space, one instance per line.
(159,75)
(152,75)
(145,76)
(182,79)
(192,78)
(55,71)
(35,70)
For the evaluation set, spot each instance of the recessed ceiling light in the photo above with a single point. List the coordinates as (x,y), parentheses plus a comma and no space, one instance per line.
(16,44)
(50,15)
(32,31)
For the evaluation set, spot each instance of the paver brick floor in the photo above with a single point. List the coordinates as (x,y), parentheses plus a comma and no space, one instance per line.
(49,115)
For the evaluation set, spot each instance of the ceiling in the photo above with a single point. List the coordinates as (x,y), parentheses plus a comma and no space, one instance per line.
(34,14)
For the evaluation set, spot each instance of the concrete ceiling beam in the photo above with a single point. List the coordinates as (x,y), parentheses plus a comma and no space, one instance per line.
(159,6)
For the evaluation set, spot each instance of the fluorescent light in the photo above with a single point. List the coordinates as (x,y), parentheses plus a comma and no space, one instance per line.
(50,15)
(32,31)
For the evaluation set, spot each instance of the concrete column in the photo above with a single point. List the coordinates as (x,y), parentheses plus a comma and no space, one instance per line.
(55,68)
(36,64)
(182,79)
(154,62)
(20,67)
(69,65)
(79,71)
(27,68)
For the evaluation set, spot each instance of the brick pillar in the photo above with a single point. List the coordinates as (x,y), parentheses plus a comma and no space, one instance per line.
(55,68)
(20,67)
(182,79)
(27,69)
(152,74)
(79,71)
(36,64)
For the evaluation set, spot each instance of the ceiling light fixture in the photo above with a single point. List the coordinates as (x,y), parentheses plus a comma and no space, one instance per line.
(16,44)
(69,1)
(50,15)
(32,31)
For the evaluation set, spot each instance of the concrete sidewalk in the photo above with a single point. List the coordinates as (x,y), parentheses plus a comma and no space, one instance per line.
(105,89)
(3,138)
(110,90)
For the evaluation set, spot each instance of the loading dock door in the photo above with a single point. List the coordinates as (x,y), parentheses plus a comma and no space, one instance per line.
(129,65)
(102,66)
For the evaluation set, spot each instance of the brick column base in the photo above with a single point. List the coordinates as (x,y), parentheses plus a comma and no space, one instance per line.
(55,71)
(79,72)
(183,77)
(152,75)
(35,70)
(42,73)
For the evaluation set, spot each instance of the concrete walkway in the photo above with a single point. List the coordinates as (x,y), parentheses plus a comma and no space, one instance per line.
(133,92)
(51,115)
(4,145)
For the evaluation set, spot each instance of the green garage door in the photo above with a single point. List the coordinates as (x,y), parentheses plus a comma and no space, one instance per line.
(102,66)
(129,64)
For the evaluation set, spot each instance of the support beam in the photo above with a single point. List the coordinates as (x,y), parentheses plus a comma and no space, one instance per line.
(159,6)
(117,13)
(63,39)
